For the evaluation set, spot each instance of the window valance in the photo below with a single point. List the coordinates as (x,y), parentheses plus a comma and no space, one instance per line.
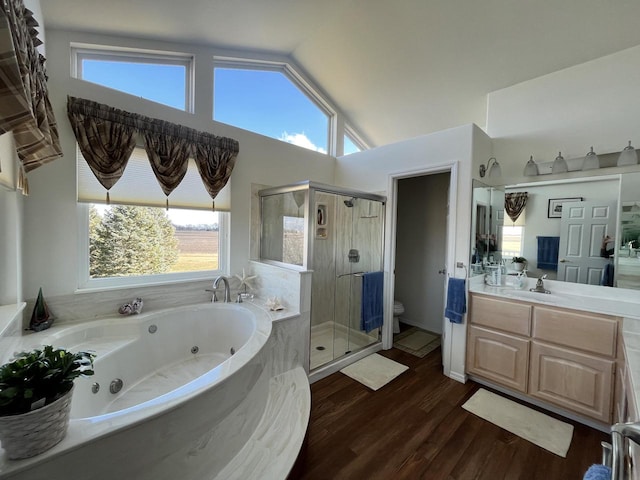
(514,204)
(107,137)
(24,101)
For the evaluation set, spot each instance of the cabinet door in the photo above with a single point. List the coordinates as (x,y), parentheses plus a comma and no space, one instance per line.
(578,382)
(498,357)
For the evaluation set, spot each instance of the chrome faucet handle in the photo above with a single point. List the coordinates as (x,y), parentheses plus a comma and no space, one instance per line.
(214,297)
(239,298)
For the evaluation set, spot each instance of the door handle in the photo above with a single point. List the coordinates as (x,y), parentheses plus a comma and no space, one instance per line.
(443,271)
(564,260)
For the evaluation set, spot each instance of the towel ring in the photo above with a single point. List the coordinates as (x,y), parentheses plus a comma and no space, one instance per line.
(461,265)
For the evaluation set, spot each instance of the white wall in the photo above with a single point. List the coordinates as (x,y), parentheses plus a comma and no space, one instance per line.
(11,217)
(592,104)
(371,170)
(50,239)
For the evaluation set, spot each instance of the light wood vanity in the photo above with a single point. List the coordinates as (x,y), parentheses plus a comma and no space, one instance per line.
(560,356)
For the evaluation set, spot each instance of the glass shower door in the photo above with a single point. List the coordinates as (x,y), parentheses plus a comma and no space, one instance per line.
(358,251)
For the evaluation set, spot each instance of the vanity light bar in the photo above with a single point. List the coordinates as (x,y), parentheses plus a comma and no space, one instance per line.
(591,161)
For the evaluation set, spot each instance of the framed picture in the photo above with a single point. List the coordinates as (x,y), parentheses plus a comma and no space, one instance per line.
(555,206)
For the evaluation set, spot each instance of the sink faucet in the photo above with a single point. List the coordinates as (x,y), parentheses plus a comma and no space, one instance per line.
(540,285)
(227,293)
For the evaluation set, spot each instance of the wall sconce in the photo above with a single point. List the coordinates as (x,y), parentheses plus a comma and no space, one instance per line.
(494,170)
(591,161)
(531,168)
(628,156)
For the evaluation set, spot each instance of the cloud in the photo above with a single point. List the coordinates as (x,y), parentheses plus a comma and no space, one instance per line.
(301,140)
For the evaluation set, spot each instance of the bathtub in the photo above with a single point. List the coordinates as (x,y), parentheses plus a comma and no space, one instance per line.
(176,394)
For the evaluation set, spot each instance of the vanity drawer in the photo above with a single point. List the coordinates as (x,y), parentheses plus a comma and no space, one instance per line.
(512,317)
(589,332)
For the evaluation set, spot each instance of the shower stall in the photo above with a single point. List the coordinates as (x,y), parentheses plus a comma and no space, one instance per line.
(338,234)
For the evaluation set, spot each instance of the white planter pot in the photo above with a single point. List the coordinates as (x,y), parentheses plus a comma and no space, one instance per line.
(29,434)
(518,267)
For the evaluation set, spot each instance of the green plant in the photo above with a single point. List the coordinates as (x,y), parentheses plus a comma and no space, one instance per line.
(519,260)
(39,377)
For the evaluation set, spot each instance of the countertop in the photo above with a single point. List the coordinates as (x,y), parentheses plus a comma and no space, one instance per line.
(595,299)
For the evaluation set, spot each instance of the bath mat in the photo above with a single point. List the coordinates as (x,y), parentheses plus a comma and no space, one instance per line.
(535,427)
(374,371)
(416,341)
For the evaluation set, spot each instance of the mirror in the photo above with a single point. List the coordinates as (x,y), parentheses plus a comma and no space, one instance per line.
(555,210)
(487,218)
(628,258)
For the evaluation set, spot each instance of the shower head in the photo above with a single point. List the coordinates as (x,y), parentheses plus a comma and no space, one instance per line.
(349,203)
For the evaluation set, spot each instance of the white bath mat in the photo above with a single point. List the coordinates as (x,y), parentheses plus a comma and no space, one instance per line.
(374,371)
(417,340)
(538,428)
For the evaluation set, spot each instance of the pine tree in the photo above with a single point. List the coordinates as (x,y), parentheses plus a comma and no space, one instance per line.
(132,241)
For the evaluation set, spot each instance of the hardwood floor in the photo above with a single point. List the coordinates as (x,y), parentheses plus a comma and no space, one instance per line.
(414,428)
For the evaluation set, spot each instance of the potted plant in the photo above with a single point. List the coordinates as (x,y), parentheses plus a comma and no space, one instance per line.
(35,398)
(519,263)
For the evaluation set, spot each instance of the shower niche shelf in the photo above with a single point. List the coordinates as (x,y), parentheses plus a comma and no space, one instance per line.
(322,227)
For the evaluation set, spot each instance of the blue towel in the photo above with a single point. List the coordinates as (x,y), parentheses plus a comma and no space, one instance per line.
(371,313)
(607,275)
(548,248)
(598,472)
(456,300)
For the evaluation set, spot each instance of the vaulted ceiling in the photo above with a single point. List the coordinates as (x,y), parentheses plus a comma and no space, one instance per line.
(398,68)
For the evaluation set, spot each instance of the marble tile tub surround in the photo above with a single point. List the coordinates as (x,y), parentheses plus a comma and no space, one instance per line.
(87,305)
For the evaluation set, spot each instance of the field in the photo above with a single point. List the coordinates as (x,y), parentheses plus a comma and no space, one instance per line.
(198,251)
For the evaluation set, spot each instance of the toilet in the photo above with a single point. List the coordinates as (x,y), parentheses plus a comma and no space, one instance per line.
(398,309)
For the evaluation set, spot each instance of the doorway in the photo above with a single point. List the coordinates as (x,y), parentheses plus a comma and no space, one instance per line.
(422,215)
(444,201)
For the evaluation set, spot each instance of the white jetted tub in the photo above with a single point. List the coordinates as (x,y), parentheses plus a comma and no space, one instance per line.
(176,394)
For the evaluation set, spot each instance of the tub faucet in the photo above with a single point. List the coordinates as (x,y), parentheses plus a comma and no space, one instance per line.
(227,293)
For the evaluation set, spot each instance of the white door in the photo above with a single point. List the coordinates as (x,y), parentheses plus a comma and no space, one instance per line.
(582,228)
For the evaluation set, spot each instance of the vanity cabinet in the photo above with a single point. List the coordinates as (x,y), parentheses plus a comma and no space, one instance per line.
(560,356)
(498,341)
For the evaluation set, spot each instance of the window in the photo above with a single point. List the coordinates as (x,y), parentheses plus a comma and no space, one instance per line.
(133,245)
(512,241)
(162,78)
(270,100)
(352,142)
(137,240)
(349,146)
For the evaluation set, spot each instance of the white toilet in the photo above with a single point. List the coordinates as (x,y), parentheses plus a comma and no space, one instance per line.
(398,309)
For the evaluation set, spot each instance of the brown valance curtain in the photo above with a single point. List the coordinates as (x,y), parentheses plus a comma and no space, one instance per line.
(107,136)
(514,204)
(24,101)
